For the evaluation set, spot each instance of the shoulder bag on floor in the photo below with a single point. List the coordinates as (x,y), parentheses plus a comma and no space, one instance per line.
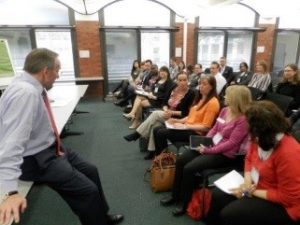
(162,172)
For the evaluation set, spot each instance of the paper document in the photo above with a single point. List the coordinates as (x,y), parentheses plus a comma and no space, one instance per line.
(231,180)
(142,92)
(171,126)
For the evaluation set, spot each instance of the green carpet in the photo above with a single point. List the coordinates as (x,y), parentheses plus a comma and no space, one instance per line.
(121,167)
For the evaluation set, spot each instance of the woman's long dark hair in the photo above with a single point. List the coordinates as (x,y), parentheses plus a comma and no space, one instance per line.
(133,67)
(213,93)
(265,121)
(165,69)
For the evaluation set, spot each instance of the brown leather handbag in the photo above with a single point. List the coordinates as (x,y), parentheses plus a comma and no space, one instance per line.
(162,172)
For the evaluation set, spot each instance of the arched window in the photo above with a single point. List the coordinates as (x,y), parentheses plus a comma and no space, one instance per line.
(135,29)
(287,48)
(226,31)
(43,24)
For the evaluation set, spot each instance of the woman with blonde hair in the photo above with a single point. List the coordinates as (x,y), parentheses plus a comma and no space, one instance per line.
(228,134)
(261,79)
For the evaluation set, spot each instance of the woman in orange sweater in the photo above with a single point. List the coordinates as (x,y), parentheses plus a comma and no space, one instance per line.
(199,120)
(270,194)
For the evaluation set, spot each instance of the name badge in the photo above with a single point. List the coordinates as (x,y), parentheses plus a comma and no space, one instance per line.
(254,175)
(219,119)
(217,138)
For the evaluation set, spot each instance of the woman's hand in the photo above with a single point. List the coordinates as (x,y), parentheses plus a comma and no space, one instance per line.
(200,149)
(243,191)
(167,114)
(151,96)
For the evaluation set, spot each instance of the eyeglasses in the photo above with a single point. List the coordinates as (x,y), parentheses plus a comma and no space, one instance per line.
(213,68)
(288,70)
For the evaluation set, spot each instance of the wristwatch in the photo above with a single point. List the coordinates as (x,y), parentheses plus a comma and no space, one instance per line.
(10,194)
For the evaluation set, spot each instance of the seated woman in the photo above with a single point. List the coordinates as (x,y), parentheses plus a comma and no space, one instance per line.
(121,91)
(200,119)
(270,194)
(228,134)
(244,76)
(261,79)
(290,86)
(160,92)
(177,106)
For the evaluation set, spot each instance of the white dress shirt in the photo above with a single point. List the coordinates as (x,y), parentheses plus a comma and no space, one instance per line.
(24,127)
(221,82)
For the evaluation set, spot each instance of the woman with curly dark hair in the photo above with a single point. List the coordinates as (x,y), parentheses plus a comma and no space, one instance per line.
(270,194)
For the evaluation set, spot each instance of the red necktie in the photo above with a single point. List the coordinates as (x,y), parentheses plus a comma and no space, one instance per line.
(51,118)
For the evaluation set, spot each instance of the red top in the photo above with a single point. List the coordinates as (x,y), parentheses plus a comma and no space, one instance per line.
(279,174)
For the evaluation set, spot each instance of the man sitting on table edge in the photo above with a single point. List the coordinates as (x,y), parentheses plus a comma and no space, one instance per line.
(30,148)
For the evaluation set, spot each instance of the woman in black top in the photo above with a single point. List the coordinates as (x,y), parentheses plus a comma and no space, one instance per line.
(290,86)
(156,98)
(124,89)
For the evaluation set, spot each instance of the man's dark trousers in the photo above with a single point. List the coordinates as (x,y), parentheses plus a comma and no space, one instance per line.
(76,180)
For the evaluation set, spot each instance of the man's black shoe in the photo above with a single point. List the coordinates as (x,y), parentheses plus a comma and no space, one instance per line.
(114,218)
(132,137)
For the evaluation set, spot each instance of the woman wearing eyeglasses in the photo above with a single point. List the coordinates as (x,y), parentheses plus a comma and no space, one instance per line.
(290,86)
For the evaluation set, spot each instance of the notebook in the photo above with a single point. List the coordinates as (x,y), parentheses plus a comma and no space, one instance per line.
(196,141)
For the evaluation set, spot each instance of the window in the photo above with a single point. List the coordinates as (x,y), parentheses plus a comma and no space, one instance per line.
(121,51)
(60,42)
(228,16)
(19,46)
(33,12)
(140,31)
(286,49)
(227,36)
(210,47)
(155,46)
(239,48)
(136,13)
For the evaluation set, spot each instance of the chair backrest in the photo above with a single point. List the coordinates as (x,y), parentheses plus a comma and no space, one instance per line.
(256,93)
(282,101)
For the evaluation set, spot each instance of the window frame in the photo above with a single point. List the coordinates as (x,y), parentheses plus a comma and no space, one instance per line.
(297,31)
(138,29)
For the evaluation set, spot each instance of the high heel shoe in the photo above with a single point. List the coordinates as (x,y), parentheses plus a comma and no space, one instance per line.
(129,116)
(132,137)
(134,125)
(179,211)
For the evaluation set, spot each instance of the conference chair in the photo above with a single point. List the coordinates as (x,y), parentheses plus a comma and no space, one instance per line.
(282,101)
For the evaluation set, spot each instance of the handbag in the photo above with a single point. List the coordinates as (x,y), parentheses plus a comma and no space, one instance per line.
(199,205)
(162,172)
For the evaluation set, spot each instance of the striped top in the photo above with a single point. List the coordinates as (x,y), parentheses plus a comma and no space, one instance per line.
(260,81)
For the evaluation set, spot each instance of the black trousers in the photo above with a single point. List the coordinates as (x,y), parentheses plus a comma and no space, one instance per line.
(227,210)
(74,179)
(163,134)
(187,165)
